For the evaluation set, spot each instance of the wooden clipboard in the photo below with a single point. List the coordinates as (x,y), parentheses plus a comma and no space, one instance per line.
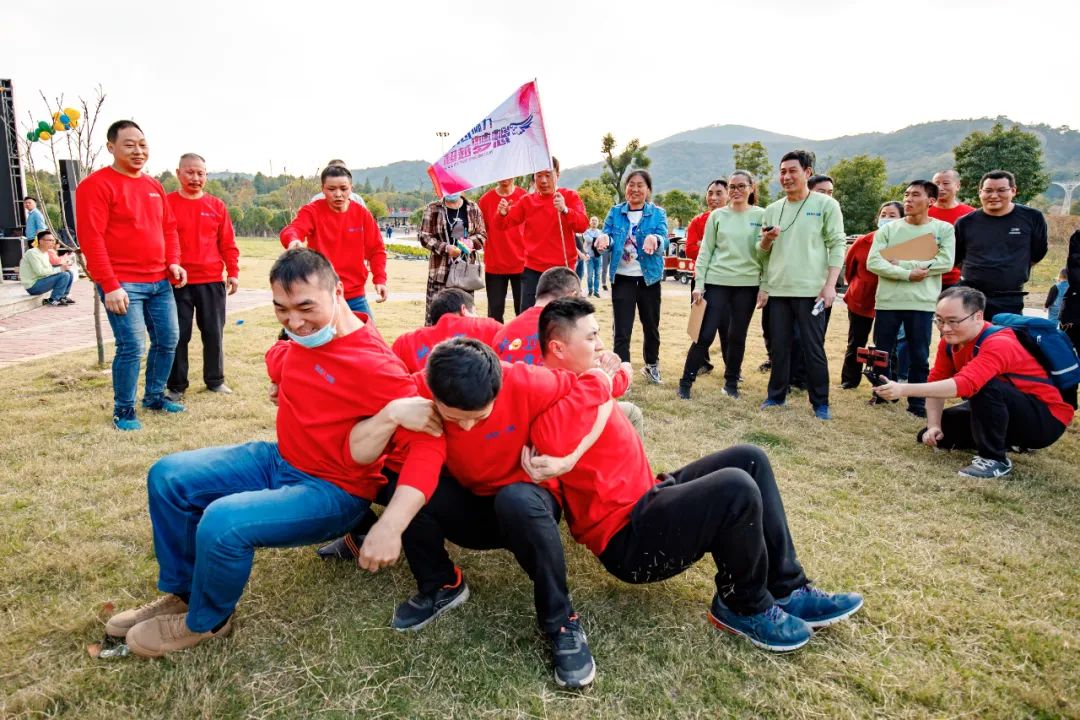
(697,314)
(922,248)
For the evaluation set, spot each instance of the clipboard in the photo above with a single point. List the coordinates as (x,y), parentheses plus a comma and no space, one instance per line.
(697,314)
(922,248)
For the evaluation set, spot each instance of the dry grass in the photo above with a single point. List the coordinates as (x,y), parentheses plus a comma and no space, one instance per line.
(971,587)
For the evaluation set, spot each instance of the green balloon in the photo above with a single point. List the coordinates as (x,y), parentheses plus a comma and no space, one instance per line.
(44,126)
(30,136)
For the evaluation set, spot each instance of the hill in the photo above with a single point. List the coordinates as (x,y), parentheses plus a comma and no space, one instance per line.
(404,175)
(690,160)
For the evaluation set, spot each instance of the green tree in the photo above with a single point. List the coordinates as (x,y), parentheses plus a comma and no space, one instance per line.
(236,214)
(680,205)
(1014,150)
(376,207)
(754,158)
(616,165)
(257,221)
(366,188)
(168,181)
(417,217)
(597,196)
(386,186)
(860,189)
(279,220)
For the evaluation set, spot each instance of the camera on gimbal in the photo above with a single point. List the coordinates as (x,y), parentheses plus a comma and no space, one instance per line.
(876,363)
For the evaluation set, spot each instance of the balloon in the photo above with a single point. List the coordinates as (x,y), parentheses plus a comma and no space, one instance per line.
(59,126)
(45,135)
(56,115)
(72,113)
(66,119)
(31,136)
(44,126)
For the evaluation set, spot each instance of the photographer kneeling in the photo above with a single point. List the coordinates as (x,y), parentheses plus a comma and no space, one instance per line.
(1010,401)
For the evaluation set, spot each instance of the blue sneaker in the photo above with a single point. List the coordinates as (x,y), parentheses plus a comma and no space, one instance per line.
(818,608)
(164,404)
(773,629)
(124,419)
(821,412)
(771,404)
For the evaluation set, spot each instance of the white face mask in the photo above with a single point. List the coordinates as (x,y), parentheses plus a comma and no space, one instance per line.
(883,221)
(321,336)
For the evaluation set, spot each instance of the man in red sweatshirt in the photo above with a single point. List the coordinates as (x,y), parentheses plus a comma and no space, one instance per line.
(504,252)
(346,233)
(550,218)
(128,235)
(453,314)
(645,529)
(488,500)
(518,340)
(335,382)
(1010,400)
(948,207)
(207,246)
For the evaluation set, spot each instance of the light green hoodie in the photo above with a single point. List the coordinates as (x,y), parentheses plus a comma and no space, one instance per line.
(729,254)
(811,241)
(894,290)
(34,266)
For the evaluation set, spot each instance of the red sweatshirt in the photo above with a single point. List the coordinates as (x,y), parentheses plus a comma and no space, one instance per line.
(323,392)
(599,494)
(347,239)
(125,228)
(487,457)
(862,284)
(414,347)
(695,233)
(519,340)
(504,251)
(540,221)
(999,354)
(207,240)
(950,216)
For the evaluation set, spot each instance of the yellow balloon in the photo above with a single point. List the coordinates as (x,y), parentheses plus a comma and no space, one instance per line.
(55,115)
(72,113)
(58,126)
(45,136)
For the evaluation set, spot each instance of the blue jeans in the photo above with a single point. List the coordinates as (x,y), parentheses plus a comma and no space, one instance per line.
(594,274)
(360,304)
(902,365)
(211,508)
(151,309)
(59,283)
(917,326)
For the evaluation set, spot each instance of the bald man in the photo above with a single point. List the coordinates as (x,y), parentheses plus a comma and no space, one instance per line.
(948,207)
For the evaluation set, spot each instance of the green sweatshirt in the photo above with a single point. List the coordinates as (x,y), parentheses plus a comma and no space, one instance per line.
(729,254)
(811,241)
(34,266)
(894,290)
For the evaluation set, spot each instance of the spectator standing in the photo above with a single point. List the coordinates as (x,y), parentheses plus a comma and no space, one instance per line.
(595,256)
(451,227)
(35,219)
(1070,307)
(504,251)
(1056,296)
(716,196)
(948,207)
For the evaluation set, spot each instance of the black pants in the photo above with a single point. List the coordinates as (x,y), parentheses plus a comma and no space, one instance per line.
(996,418)
(918,328)
(858,333)
(726,504)
(206,301)
(495,285)
(788,313)
(522,518)
(728,311)
(630,293)
(797,370)
(1000,302)
(708,355)
(529,279)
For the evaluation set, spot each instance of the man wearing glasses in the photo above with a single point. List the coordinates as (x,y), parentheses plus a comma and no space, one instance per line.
(1010,401)
(997,245)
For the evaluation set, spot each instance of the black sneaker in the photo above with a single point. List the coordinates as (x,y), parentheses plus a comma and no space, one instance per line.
(986,468)
(705,369)
(652,373)
(684,392)
(917,412)
(421,609)
(346,547)
(574,666)
(765,366)
(51,303)
(732,391)
(66,301)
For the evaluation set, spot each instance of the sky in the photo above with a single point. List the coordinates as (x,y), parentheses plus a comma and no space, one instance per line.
(284,86)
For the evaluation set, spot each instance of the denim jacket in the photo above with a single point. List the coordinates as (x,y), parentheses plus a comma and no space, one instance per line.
(653,222)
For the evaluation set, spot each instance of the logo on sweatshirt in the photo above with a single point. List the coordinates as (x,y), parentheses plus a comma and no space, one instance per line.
(1015,231)
(325,375)
(154,194)
(811,213)
(508,430)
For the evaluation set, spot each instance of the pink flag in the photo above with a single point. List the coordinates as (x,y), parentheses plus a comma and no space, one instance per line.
(507,143)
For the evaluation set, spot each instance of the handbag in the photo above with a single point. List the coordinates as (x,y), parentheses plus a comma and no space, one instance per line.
(465,275)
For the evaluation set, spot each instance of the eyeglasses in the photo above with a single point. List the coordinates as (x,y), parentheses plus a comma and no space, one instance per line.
(942,322)
(740,187)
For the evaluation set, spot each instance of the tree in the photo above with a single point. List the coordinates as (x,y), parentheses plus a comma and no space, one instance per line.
(236,214)
(597,197)
(1014,150)
(860,189)
(681,206)
(616,166)
(377,207)
(754,158)
(386,186)
(257,221)
(366,188)
(417,217)
(168,181)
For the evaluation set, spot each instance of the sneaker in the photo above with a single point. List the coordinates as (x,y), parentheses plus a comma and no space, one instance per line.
(652,372)
(917,412)
(222,388)
(346,547)
(683,392)
(773,630)
(164,405)
(818,608)
(982,468)
(765,366)
(118,625)
(848,386)
(125,420)
(821,412)
(174,395)
(51,303)
(66,301)
(732,391)
(772,403)
(421,609)
(164,634)
(706,368)
(574,666)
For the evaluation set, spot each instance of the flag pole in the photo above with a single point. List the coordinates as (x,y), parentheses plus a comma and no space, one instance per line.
(551,167)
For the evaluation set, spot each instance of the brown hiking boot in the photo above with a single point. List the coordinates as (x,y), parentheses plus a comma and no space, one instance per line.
(119,624)
(168,633)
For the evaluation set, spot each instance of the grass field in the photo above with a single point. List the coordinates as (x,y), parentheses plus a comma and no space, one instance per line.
(971,587)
